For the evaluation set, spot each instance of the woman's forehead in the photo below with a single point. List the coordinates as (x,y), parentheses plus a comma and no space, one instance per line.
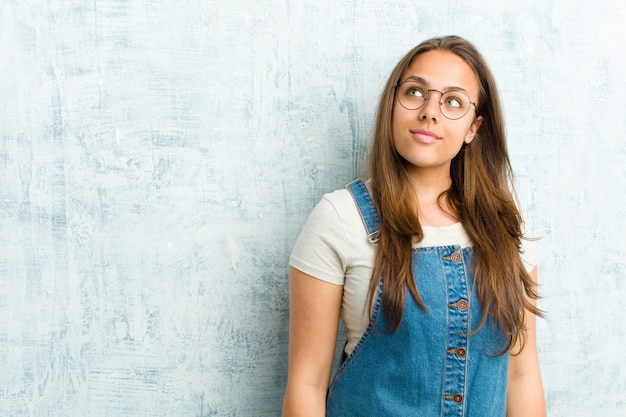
(442,70)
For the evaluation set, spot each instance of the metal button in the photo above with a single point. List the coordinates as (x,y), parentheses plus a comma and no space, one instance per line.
(456,257)
(457,398)
(460,352)
(462,305)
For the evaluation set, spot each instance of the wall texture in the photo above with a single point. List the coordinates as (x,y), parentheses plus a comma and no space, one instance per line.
(158,159)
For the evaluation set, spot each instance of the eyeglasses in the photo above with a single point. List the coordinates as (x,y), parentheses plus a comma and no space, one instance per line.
(453,104)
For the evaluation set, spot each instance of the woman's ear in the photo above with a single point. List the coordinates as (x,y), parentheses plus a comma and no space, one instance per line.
(473,129)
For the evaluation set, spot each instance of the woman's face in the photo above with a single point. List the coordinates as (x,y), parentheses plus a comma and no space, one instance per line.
(424,137)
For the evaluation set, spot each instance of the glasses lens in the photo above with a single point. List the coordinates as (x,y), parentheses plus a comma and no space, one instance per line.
(411,95)
(454,104)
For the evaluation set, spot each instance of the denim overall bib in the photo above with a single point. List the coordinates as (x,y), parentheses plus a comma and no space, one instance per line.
(432,365)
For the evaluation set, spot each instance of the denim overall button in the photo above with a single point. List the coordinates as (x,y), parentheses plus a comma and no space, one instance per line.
(457,398)
(456,257)
(462,305)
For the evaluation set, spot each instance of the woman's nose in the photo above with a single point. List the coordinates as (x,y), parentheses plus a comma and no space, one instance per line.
(430,110)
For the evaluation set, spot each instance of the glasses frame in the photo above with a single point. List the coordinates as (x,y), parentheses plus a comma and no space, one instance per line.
(428,90)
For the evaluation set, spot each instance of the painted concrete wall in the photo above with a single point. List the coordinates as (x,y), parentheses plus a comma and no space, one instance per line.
(158,159)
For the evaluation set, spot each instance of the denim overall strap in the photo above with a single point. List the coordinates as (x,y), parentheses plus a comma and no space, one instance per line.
(368,212)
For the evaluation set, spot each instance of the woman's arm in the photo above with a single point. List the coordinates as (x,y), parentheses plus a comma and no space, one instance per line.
(314,307)
(524,396)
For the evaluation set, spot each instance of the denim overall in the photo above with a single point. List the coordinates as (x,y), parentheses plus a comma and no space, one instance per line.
(432,365)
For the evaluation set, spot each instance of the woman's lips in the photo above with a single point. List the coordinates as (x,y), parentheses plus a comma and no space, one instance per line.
(424,136)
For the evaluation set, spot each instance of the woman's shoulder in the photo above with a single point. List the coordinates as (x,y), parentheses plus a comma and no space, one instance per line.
(342,200)
(331,237)
(335,213)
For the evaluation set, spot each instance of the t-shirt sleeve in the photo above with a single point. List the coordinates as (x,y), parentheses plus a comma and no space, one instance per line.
(320,250)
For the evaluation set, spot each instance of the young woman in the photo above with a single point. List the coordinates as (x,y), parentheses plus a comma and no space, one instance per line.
(425,263)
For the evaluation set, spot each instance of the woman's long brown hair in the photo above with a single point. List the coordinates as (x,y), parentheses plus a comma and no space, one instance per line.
(481,196)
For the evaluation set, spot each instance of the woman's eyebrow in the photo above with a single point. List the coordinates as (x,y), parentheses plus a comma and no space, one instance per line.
(424,82)
(417,79)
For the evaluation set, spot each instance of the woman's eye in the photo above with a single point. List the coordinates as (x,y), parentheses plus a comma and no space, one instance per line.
(453,102)
(415,92)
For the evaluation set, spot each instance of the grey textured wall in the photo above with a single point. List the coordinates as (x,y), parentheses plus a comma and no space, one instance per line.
(158,159)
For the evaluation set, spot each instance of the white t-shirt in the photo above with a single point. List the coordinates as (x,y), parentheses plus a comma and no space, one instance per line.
(333,247)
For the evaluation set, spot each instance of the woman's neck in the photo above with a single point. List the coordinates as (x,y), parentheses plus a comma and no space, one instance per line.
(429,185)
